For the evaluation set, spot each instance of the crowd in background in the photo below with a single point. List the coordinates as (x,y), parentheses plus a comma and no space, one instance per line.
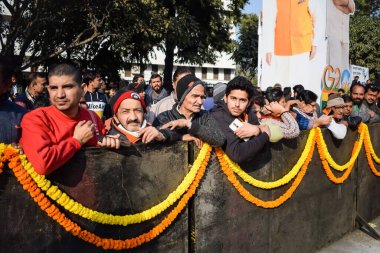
(67,109)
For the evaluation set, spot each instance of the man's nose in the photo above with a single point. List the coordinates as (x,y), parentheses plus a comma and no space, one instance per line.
(61,93)
(132,116)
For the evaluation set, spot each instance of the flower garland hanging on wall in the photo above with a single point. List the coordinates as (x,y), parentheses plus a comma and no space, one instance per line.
(72,206)
(258,202)
(46,205)
(280,182)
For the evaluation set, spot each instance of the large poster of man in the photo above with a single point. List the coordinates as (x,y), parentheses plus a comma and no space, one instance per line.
(298,39)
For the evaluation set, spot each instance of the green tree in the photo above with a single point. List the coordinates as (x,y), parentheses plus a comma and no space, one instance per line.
(44,31)
(364,34)
(197,30)
(246,52)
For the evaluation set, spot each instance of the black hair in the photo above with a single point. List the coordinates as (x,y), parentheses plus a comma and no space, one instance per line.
(136,77)
(153,76)
(240,83)
(259,100)
(298,88)
(90,76)
(307,96)
(33,76)
(210,92)
(287,91)
(347,98)
(356,84)
(7,66)
(274,95)
(342,90)
(66,69)
(179,71)
(371,87)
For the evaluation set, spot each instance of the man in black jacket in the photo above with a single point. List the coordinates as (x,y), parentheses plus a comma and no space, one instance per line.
(244,137)
(187,118)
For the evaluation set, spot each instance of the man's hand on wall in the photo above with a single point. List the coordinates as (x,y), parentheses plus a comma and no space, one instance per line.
(150,133)
(188,137)
(110,141)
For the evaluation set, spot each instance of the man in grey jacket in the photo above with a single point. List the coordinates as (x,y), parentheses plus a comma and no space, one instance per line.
(365,103)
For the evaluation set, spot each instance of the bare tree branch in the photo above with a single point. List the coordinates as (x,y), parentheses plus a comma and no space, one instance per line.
(74,44)
(8,6)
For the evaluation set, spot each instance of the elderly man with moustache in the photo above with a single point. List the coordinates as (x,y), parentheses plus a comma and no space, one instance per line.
(187,119)
(128,120)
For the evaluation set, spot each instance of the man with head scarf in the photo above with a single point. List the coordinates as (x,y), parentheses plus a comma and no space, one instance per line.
(187,118)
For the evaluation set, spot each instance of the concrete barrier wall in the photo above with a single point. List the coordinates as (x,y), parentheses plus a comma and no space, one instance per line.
(122,182)
(368,185)
(218,219)
(318,212)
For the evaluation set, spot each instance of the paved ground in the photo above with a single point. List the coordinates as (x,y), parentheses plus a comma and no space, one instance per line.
(356,242)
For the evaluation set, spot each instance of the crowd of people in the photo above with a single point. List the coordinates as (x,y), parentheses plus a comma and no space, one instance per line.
(240,118)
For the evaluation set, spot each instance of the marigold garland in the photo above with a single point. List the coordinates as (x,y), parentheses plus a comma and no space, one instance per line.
(72,206)
(248,196)
(35,184)
(2,158)
(369,145)
(282,181)
(28,184)
(370,153)
(325,155)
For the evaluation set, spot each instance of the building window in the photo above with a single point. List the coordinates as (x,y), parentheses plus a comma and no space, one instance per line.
(204,73)
(128,70)
(216,74)
(192,69)
(227,74)
(155,68)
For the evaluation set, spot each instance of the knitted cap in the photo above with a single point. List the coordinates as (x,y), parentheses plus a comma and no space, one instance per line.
(121,96)
(185,85)
(335,100)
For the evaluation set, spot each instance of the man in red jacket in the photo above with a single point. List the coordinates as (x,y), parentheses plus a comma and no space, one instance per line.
(52,135)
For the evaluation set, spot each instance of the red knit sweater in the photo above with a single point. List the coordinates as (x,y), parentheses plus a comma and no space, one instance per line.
(47,137)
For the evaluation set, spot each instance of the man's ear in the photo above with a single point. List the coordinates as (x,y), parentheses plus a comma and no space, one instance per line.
(84,88)
(225,99)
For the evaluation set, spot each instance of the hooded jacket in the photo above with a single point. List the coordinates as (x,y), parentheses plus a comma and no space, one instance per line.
(237,149)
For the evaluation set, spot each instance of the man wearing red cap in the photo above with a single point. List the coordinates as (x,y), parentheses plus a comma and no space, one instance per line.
(52,135)
(128,120)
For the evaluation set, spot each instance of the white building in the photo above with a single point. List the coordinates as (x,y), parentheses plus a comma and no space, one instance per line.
(222,71)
